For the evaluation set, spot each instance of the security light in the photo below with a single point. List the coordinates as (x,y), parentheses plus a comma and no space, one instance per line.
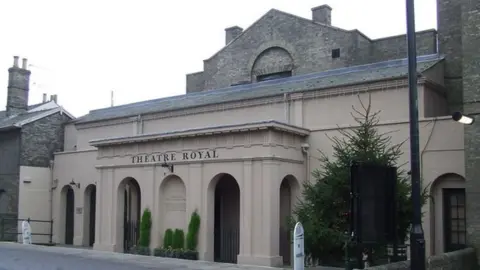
(463,119)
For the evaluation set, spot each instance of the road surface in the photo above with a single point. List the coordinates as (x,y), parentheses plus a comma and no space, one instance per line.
(31,257)
(15,256)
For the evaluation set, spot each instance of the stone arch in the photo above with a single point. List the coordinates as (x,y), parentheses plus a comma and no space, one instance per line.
(289,188)
(223,216)
(273,60)
(89,210)
(128,213)
(270,44)
(173,202)
(438,189)
(67,214)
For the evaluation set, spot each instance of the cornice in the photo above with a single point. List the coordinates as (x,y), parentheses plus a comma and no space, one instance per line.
(207,131)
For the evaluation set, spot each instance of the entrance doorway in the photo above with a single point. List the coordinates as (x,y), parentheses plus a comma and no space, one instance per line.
(69,215)
(89,214)
(129,207)
(227,220)
(288,193)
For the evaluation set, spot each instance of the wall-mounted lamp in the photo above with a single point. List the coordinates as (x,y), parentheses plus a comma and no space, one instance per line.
(463,119)
(74,184)
(169,166)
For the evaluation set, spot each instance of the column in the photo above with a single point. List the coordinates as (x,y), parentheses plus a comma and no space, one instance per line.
(246,224)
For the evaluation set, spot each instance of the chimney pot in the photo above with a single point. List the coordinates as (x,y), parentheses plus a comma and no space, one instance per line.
(322,14)
(44,98)
(232,33)
(54,98)
(15,61)
(24,63)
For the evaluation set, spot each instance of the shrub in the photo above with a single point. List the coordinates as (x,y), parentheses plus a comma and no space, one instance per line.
(175,253)
(193,228)
(145,226)
(178,239)
(168,238)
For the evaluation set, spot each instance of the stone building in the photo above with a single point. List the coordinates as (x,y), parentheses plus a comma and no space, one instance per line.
(29,135)
(238,145)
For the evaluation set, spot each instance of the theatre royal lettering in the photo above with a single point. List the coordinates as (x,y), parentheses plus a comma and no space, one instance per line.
(168,157)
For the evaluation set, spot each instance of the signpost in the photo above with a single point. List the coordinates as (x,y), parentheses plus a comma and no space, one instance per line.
(298,247)
(26,233)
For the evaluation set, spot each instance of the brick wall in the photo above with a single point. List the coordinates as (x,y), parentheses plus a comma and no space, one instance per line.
(464,259)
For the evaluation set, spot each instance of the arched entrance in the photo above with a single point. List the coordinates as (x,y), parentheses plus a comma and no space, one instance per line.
(226,219)
(288,194)
(129,211)
(69,199)
(89,215)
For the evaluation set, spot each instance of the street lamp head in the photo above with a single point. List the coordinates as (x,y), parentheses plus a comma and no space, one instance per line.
(463,119)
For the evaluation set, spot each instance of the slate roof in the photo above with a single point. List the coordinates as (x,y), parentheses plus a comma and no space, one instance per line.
(31,107)
(16,121)
(314,81)
(9,122)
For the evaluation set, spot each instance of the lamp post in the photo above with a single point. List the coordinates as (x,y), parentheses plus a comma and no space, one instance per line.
(417,238)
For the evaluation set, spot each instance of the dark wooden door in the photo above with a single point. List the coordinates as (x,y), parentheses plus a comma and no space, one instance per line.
(93,199)
(69,217)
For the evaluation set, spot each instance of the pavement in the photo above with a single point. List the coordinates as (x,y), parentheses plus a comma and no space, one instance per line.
(14,256)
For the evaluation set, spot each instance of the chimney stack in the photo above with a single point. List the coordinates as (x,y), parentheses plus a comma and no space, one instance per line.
(232,33)
(15,61)
(18,88)
(53,98)
(322,14)
(24,63)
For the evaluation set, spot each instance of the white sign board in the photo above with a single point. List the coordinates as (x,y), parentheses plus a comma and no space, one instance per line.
(298,247)
(26,232)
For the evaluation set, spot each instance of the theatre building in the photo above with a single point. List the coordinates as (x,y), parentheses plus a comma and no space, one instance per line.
(238,145)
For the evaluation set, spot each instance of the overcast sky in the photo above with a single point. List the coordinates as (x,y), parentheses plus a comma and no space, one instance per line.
(142,49)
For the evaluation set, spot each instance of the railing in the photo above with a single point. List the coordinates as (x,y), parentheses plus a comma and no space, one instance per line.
(9,229)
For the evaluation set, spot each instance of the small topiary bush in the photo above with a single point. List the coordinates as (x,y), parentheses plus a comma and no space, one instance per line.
(178,239)
(168,239)
(145,226)
(193,229)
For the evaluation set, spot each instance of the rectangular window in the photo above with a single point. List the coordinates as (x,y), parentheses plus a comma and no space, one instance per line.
(455,228)
(335,53)
(273,76)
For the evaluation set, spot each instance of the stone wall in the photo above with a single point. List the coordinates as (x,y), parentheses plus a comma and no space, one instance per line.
(41,139)
(464,259)
(308,45)
(9,170)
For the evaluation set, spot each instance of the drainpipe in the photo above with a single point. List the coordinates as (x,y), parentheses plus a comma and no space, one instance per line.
(51,199)
(305,147)
(286,102)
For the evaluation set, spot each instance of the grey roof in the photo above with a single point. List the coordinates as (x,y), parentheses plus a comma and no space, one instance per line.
(9,122)
(320,80)
(31,107)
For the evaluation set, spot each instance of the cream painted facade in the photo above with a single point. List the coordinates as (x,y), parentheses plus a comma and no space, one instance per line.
(258,145)
(239,153)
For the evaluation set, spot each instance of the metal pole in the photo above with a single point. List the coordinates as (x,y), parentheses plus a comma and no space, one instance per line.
(417,239)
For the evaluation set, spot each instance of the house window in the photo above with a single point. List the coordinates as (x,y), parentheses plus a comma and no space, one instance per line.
(454,219)
(335,53)
(273,76)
